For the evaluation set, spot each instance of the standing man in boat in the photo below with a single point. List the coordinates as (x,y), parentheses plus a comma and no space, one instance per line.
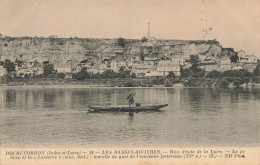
(130,99)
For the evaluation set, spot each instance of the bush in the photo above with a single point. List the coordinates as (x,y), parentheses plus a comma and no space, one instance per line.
(213,74)
(150,85)
(193,72)
(60,75)
(198,73)
(130,84)
(236,73)
(121,42)
(133,75)
(223,83)
(9,66)
(52,75)
(236,83)
(171,75)
(256,72)
(81,75)
(256,79)
(193,82)
(157,81)
(167,83)
(185,72)
(144,39)
(48,69)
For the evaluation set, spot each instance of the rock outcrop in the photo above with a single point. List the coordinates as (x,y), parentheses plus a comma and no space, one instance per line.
(60,50)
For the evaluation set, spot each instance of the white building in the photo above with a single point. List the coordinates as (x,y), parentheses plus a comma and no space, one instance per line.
(225,64)
(2,71)
(63,68)
(237,67)
(26,42)
(164,67)
(141,70)
(114,66)
(244,58)
(102,68)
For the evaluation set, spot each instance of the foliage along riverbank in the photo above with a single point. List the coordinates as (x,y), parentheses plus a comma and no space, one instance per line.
(190,77)
(225,79)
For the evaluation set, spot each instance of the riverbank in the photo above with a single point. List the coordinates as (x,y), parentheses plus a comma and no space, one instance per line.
(125,83)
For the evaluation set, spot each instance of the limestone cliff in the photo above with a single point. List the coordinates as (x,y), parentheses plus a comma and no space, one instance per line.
(60,50)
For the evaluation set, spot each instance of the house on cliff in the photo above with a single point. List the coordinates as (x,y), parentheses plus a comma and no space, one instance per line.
(63,68)
(151,60)
(114,66)
(164,67)
(236,66)
(26,42)
(209,64)
(98,68)
(141,70)
(102,68)
(22,71)
(249,67)
(2,71)
(224,64)
(244,58)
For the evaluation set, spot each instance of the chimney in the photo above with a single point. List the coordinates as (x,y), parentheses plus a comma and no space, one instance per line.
(148,30)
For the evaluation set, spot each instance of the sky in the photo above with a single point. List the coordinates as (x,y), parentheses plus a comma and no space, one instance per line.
(234,23)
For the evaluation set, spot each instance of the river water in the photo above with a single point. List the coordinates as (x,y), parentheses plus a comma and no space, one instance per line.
(57,117)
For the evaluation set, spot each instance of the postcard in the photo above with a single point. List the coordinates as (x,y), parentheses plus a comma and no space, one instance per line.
(145,82)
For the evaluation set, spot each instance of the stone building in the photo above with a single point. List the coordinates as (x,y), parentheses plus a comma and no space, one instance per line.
(2,71)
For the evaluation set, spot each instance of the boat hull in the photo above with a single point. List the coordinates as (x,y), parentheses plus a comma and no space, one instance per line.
(127,109)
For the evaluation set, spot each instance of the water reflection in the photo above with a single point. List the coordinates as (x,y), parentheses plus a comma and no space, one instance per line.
(195,116)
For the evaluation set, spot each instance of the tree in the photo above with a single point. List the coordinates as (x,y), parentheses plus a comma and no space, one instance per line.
(236,83)
(60,75)
(52,40)
(223,83)
(121,69)
(184,72)
(19,62)
(171,75)
(257,70)
(108,74)
(121,42)
(234,58)
(48,69)
(144,39)
(83,74)
(9,66)
(194,59)
(142,54)
(213,74)
(133,75)
(167,83)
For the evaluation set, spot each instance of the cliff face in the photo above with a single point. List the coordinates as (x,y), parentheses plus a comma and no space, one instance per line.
(186,48)
(61,50)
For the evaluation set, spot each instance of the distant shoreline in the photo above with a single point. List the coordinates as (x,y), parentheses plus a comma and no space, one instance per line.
(103,86)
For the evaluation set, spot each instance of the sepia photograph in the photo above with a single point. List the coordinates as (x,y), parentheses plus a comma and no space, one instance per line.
(132,77)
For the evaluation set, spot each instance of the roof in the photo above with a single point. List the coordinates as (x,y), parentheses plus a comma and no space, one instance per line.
(225,61)
(177,56)
(168,63)
(142,66)
(151,58)
(251,56)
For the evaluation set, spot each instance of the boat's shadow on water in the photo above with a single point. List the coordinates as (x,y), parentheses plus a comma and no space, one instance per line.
(131,113)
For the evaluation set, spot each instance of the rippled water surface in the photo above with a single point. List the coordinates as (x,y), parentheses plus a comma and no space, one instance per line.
(55,117)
